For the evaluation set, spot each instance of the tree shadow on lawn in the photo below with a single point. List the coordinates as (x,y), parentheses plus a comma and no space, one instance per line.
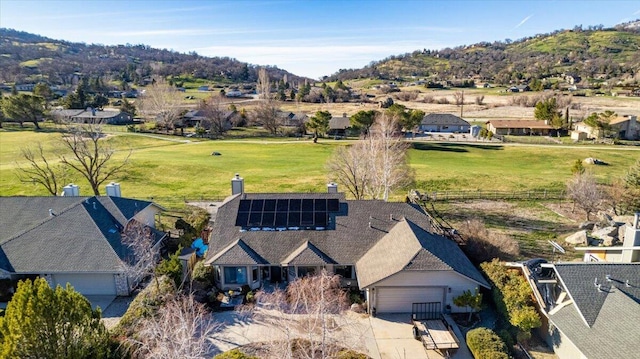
(453,147)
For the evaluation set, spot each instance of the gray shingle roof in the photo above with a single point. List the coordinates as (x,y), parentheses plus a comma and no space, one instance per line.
(307,254)
(613,334)
(443,119)
(409,247)
(579,281)
(339,123)
(238,253)
(349,239)
(82,235)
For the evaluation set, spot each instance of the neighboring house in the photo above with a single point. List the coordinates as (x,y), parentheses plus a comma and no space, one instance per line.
(72,239)
(92,116)
(338,125)
(519,88)
(443,122)
(385,249)
(519,127)
(590,310)
(572,79)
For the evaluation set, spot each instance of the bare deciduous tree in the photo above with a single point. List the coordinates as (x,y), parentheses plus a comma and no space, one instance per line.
(583,191)
(264,85)
(310,319)
(40,170)
(350,167)
(389,167)
(162,102)
(213,109)
(266,115)
(91,156)
(144,251)
(458,96)
(181,329)
(376,165)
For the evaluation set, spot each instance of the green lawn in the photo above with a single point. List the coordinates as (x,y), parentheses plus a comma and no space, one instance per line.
(168,170)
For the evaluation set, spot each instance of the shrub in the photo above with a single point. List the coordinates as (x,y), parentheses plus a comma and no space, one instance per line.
(202,273)
(350,354)
(484,343)
(483,245)
(234,354)
(171,267)
(512,295)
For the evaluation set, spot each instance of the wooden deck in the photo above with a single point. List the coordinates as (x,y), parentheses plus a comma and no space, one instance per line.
(435,335)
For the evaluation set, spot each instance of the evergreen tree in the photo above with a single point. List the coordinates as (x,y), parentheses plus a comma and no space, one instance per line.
(46,323)
(319,123)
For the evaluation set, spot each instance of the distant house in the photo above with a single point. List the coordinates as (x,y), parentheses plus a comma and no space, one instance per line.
(338,125)
(233,93)
(572,79)
(203,88)
(519,88)
(443,122)
(93,116)
(72,239)
(197,118)
(291,119)
(624,127)
(385,249)
(25,87)
(519,127)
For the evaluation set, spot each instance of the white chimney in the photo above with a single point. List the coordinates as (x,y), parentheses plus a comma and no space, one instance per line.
(71,190)
(237,184)
(332,187)
(113,189)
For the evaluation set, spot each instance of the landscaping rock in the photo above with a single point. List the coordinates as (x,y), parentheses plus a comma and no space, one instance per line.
(608,241)
(357,308)
(621,231)
(606,231)
(586,225)
(579,237)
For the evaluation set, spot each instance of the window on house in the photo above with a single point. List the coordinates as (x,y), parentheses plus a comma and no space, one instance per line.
(235,275)
(344,271)
(254,274)
(305,271)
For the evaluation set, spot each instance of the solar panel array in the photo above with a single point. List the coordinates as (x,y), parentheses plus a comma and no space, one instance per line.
(288,212)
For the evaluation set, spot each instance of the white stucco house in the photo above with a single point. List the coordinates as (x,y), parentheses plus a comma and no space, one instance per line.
(385,249)
(72,239)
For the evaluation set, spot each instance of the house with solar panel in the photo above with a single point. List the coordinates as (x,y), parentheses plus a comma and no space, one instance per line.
(386,249)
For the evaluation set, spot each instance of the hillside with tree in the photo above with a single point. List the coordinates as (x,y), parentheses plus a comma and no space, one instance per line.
(593,54)
(30,58)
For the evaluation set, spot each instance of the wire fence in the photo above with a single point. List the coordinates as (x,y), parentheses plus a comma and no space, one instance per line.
(459,195)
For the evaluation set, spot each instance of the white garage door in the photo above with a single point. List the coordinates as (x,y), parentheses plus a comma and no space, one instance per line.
(88,284)
(399,299)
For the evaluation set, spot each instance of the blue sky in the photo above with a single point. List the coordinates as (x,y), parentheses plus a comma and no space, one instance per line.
(309,38)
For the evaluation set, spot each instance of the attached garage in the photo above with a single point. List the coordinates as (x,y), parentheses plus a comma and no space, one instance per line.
(88,284)
(399,299)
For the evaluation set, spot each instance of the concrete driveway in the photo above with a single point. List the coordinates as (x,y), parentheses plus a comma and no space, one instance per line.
(387,336)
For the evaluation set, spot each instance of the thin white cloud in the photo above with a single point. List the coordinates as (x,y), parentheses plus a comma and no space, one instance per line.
(523,21)
(637,12)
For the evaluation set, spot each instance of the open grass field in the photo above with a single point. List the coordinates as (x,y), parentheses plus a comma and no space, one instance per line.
(171,169)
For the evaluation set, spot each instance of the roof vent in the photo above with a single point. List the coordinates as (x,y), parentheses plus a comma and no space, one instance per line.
(599,288)
(53,214)
(626,284)
(608,276)
(595,282)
